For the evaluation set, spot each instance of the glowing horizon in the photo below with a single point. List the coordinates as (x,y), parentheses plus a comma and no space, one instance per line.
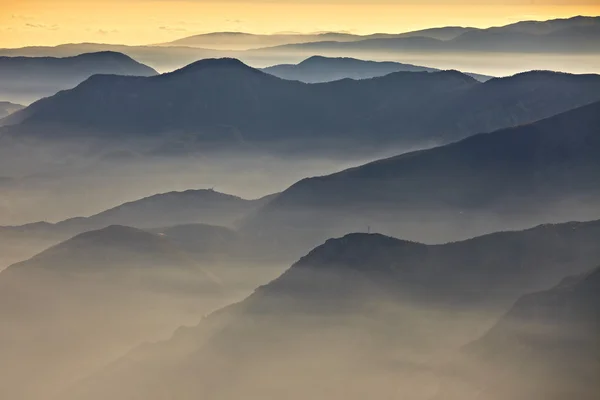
(132,22)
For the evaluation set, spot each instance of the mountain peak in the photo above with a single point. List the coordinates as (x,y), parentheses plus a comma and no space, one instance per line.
(352,247)
(114,235)
(214,63)
(315,58)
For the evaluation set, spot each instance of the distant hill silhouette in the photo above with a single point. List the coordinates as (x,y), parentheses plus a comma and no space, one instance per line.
(544,347)
(245,41)
(319,69)
(80,304)
(346,302)
(7,108)
(26,79)
(161,212)
(223,103)
(168,209)
(510,178)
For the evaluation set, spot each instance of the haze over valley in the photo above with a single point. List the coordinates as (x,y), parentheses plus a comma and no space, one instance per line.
(355,209)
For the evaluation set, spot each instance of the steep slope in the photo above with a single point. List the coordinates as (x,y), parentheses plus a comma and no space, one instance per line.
(7,108)
(356,315)
(545,347)
(319,69)
(225,104)
(26,79)
(510,178)
(84,302)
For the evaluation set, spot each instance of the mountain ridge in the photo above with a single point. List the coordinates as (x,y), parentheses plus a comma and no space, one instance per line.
(224,103)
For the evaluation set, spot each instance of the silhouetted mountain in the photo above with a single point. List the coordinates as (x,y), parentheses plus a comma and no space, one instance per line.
(503,180)
(319,69)
(227,104)
(26,79)
(545,347)
(578,34)
(80,304)
(356,301)
(7,108)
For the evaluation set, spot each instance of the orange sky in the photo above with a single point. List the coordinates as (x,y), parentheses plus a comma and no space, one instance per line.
(48,22)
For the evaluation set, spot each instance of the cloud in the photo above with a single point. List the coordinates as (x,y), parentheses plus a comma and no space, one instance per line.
(42,26)
(21,17)
(172,29)
(106,32)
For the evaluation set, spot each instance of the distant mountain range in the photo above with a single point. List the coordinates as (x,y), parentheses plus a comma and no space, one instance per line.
(345,309)
(80,304)
(318,69)
(7,108)
(558,35)
(446,47)
(246,41)
(27,79)
(578,34)
(223,103)
(517,177)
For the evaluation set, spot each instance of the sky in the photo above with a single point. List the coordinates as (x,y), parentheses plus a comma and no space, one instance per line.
(50,22)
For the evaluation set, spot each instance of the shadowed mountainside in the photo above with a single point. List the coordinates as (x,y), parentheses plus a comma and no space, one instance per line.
(531,174)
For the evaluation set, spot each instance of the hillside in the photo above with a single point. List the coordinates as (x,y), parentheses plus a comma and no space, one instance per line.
(531,174)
